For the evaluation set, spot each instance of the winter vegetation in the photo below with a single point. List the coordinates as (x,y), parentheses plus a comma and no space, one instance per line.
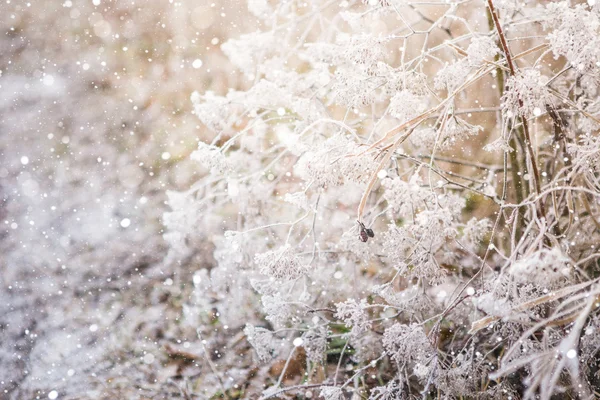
(314,199)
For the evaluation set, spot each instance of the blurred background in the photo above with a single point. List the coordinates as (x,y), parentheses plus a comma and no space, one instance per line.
(95,126)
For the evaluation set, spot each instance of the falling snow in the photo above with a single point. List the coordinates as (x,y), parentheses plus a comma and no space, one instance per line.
(265,199)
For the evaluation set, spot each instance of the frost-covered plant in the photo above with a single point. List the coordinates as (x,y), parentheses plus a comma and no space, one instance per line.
(95,123)
(358,225)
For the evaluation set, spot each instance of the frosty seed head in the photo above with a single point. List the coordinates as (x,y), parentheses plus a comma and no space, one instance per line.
(363,236)
(364,232)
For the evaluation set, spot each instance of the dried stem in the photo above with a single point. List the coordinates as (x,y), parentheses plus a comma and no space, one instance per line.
(527,138)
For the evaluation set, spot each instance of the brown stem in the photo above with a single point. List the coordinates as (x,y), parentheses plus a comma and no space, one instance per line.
(511,67)
(505,48)
(514,159)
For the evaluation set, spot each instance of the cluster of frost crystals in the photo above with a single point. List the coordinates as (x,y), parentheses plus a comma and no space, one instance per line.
(588,125)
(456,130)
(457,378)
(575,34)
(412,197)
(336,161)
(211,157)
(398,80)
(429,222)
(354,19)
(590,340)
(380,3)
(586,153)
(434,226)
(474,231)
(405,299)
(507,5)
(277,309)
(363,49)
(299,199)
(262,341)
(314,342)
(549,267)
(404,197)
(216,112)
(407,344)
(331,393)
(452,75)
(247,51)
(391,391)
(482,49)
(504,294)
(357,79)
(280,264)
(283,93)
(405,106)
(260,8)
(354,315)
(526,93)
(499,145)
(424,138)
(352,88)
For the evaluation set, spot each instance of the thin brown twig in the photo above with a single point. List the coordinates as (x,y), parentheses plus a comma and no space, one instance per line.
(511,66)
